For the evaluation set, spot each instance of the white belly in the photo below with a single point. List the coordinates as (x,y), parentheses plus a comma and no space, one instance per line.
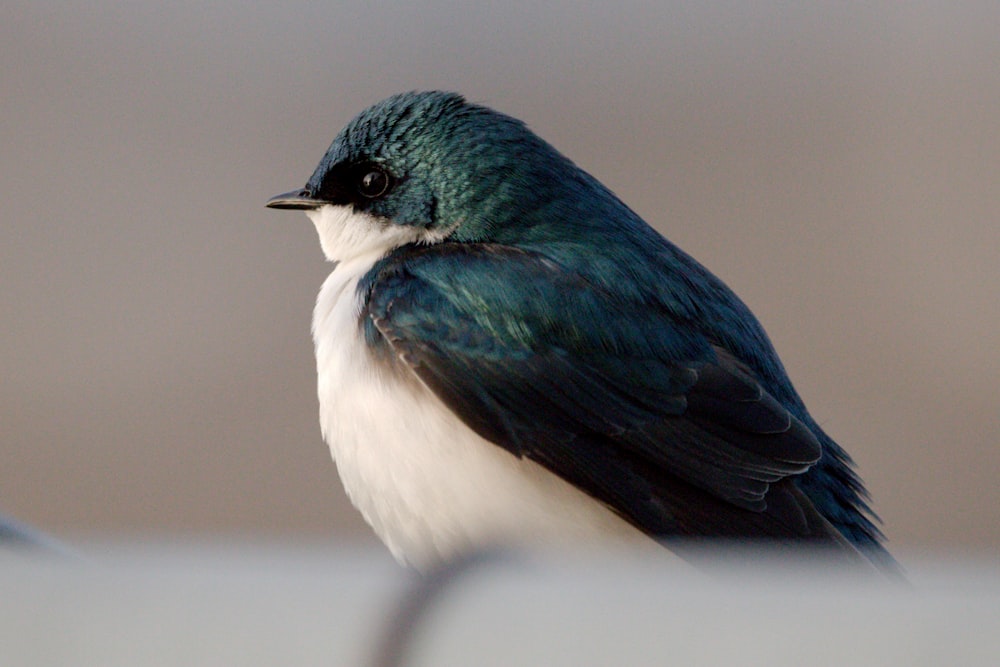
(427,484)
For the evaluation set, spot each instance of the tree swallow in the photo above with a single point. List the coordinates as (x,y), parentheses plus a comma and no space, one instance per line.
(508,354)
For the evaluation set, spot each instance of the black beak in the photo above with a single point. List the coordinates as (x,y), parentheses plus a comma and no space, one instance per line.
(296,199)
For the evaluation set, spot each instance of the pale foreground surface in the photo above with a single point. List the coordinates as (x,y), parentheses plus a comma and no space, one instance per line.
(267,605)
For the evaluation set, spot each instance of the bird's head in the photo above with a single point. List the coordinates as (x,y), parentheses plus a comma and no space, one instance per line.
(422,167)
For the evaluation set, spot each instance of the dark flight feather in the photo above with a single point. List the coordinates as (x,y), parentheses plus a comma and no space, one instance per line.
(644,413)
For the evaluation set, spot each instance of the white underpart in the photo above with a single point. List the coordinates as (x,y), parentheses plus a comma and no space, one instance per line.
(429,486)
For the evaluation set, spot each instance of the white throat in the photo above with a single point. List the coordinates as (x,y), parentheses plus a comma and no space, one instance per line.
(346,235)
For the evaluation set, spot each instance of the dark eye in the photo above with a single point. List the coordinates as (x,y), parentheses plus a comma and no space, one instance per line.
(373,182)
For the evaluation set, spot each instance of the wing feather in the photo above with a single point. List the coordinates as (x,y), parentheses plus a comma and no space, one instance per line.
(623,399)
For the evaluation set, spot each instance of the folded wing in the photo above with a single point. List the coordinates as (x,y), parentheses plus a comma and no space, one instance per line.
(619,397)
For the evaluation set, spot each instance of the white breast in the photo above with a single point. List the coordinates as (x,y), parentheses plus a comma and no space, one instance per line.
(428,485)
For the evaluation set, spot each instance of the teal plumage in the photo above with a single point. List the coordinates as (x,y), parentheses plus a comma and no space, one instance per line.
(558,325)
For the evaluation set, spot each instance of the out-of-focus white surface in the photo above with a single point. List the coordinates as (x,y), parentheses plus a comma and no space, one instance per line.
(147,605)
(319,606)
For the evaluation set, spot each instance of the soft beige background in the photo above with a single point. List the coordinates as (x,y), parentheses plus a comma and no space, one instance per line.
(838,167)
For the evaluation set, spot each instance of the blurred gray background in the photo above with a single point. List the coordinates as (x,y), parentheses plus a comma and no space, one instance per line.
(837,166)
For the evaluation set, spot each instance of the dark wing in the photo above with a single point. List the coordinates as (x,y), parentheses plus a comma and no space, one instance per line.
(615,396)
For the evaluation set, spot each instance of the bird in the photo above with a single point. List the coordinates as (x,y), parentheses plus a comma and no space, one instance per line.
(508,355)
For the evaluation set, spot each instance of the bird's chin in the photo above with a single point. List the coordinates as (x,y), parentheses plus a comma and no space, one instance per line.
(347,235)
